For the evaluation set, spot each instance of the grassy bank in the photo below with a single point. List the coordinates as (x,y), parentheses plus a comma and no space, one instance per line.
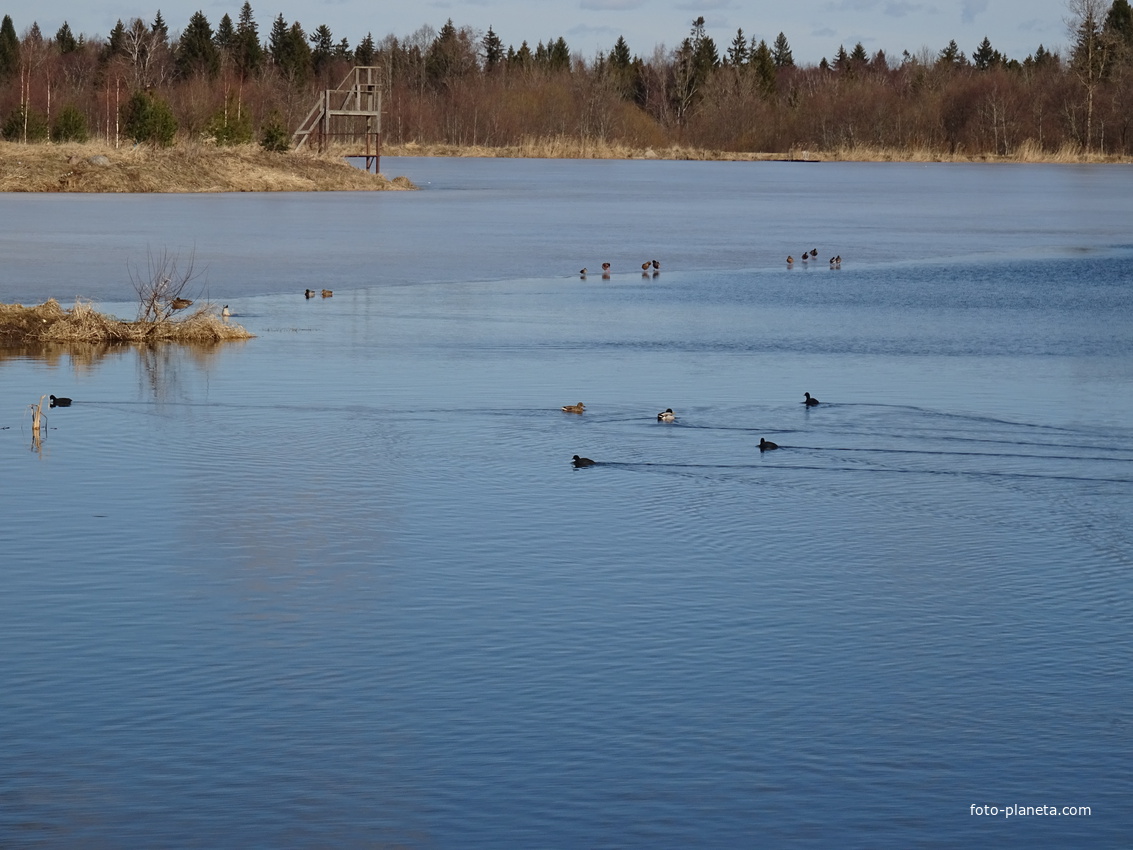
(183,168)
(563,147)
(51,323)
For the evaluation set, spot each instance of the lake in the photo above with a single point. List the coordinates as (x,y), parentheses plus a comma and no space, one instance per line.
(341,586)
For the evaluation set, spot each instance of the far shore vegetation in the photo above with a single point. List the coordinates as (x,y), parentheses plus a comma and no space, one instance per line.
(229,84)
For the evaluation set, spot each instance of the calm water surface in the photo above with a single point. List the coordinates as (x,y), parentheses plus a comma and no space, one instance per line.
(340,585)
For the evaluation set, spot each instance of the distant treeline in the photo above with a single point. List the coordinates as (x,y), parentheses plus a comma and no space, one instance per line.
(458,86)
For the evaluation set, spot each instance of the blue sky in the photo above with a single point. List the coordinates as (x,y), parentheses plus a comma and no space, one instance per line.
(814,28)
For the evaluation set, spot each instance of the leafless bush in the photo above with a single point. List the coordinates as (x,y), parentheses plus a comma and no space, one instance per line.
(164,288)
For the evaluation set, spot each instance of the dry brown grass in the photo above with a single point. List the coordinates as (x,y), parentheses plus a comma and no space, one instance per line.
(187,167)
(564,147)
(51,323)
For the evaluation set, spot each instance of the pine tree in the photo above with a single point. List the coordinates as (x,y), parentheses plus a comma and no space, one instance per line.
(781,53)
(159,28)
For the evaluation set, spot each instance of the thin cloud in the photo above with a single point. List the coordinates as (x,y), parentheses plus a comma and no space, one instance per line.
(900,10)
(610,5)
(972,8)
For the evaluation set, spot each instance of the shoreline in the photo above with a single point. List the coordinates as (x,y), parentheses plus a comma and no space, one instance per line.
(574,148)
(94,167)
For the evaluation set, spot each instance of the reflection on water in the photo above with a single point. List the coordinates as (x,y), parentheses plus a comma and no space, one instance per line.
(341,584)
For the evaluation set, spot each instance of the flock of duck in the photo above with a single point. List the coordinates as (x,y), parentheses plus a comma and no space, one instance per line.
(667,415)
(646,267)
(310,293)
(812,254)
(655,265)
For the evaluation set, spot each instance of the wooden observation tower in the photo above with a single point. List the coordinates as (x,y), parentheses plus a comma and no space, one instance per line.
(350,114)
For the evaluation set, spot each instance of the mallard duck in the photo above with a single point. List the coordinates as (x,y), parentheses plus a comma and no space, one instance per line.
(811,401)
(814,252)
(309,293)
(646,266)
(666,415)
(790,260)
(574,408)
(767,445)
(181,303)
(327,293)
(605,267)
(224,312)
(582,461)
(656,265)
(582,272)
(60,402)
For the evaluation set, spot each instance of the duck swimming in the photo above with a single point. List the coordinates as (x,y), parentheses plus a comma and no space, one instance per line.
(666,415)
(582,272)
(767,445)
(60,402)
(656,264)
(224,312)
(605,267)
(574,408)
(582,461)
(811,401)
(309,293)
(181,303)
(790,260)
(327,293)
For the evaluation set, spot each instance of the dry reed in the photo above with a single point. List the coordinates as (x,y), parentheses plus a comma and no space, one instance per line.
(50,323)
(187,167)
(573,147)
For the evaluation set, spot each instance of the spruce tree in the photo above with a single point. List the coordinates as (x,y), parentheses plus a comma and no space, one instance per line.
(322,47)
(984,56)
(196,51)
(159,28)
(763,64)
(620,56)
(247,52)
(364,53)
(558,55)
(493,50)
(65,39)
(225,36)
(738,52)
(9,49)
(781,53)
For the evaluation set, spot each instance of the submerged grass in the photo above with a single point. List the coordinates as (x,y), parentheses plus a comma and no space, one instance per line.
(51,323)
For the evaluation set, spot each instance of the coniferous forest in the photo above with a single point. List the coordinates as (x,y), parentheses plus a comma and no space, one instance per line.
(236,81)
